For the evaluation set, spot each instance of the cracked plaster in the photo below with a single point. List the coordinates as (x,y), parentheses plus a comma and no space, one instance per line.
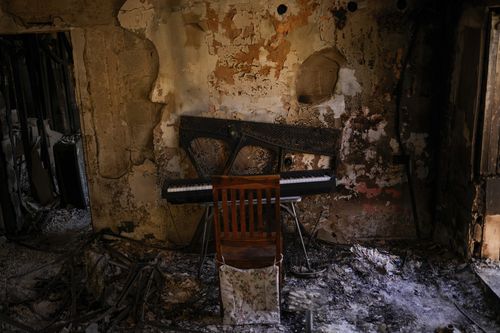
(239,60)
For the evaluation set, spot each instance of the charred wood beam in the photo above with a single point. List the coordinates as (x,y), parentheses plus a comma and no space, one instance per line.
(27,77)
(59,62)
(22,101)
(66,53)
(56,65)
(39,61)
(9,194)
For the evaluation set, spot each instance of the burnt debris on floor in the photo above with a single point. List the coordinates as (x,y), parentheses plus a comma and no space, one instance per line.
(102,282)
(379,117)
(41,155)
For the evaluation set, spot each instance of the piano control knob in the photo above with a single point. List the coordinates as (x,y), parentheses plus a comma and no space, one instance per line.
(288,161)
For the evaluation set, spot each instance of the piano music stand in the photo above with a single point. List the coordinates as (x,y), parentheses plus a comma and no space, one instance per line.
(288,205)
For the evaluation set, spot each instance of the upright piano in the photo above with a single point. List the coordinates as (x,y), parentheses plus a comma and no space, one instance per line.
(280,140)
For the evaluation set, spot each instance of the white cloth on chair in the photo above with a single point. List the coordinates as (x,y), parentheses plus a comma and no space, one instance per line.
(250,296)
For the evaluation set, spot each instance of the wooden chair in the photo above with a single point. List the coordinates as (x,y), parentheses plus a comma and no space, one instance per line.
(248,227)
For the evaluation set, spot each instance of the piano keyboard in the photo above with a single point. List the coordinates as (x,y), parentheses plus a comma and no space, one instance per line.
(294,183)
(189,188)
(204,187)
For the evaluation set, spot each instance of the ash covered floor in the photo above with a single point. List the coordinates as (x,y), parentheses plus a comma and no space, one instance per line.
(76,281)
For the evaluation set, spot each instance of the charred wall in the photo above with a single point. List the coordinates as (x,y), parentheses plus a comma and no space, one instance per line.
(456,187)
(467,204)
(139,65)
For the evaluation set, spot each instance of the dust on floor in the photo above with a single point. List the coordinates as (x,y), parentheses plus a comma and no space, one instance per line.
(99,283)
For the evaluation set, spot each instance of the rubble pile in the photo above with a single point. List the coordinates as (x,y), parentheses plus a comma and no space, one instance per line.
(107,283)
(417,288)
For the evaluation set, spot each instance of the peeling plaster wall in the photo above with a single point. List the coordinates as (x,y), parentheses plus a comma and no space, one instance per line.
(140,64)
(240,59)
(114,70)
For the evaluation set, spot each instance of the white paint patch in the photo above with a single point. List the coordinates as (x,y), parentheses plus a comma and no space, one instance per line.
(347,133)
(335,104)
(375,135)
(352,172)
(418,141)
(347,83)
(322,111)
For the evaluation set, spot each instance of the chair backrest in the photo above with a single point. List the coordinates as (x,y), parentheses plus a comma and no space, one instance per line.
(249,211)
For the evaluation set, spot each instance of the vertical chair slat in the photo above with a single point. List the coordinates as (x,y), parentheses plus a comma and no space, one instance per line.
(277,216)
(277,208)
(225,217)
(269,209)
(251,223)
(216,221)
(243,226)
(234,221)
(260,226)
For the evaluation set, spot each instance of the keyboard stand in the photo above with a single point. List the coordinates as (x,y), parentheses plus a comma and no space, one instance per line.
(207,227)
(293,213)
(286,203)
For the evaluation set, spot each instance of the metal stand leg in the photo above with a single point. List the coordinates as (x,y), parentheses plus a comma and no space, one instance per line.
(309,321)
(310,273)
(308,264)
(204,240)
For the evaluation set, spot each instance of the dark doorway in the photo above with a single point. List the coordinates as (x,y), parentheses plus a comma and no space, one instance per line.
(41,157)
